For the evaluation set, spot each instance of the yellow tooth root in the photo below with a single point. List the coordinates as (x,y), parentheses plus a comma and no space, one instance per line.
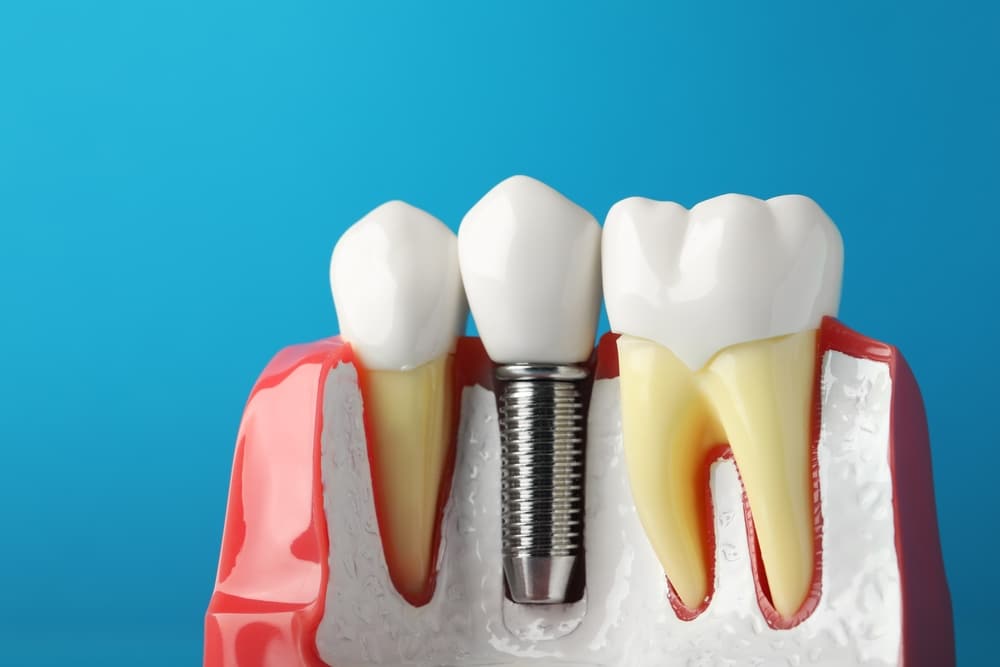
(755,396)
(666,430)
(763,393)
(410,420)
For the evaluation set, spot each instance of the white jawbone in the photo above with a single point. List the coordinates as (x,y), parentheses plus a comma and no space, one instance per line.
(626,619)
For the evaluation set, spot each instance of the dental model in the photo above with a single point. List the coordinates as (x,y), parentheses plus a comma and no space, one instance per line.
(757,484)
(530,261)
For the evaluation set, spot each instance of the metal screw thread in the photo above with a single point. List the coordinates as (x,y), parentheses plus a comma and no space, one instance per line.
(542,436)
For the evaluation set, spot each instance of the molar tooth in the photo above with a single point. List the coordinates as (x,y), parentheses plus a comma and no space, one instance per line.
(718,308)
(399,299)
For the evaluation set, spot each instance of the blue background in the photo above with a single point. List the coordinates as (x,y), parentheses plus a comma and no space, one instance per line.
(173,176)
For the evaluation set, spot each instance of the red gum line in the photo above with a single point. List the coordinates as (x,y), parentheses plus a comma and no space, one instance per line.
(271,586)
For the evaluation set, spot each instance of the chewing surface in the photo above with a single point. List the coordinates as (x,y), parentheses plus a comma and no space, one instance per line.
(626,619)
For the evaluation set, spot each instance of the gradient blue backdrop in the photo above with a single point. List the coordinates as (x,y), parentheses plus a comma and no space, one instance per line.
(173,176)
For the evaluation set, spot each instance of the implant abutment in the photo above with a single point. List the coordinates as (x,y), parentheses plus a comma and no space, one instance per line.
(542,410)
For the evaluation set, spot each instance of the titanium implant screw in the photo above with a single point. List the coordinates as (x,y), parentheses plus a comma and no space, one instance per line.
(542,436)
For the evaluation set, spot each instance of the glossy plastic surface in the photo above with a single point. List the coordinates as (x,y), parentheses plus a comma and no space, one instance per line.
(397,289)
(531,265)
(731,270)
(273,568)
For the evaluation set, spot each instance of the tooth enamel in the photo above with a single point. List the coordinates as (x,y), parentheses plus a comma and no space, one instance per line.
(531,265)
(718,307)
(399,300)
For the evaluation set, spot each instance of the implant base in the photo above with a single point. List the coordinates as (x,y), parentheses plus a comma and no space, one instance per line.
(541,579)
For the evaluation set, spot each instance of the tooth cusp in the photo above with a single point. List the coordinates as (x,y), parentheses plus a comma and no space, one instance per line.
(730,270)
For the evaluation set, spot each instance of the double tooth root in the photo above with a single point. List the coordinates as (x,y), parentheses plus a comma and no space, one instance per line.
(754,396)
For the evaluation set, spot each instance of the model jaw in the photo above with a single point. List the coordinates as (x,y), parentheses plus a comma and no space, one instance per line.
(685,400)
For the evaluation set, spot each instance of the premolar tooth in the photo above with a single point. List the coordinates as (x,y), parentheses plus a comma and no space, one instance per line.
(718,307)
(399,299)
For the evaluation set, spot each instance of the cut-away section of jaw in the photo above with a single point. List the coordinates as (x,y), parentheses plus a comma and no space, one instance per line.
(718,308)
(302,580)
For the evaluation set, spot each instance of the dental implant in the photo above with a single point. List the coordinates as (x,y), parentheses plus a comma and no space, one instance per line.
(530,261)
(542,438)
